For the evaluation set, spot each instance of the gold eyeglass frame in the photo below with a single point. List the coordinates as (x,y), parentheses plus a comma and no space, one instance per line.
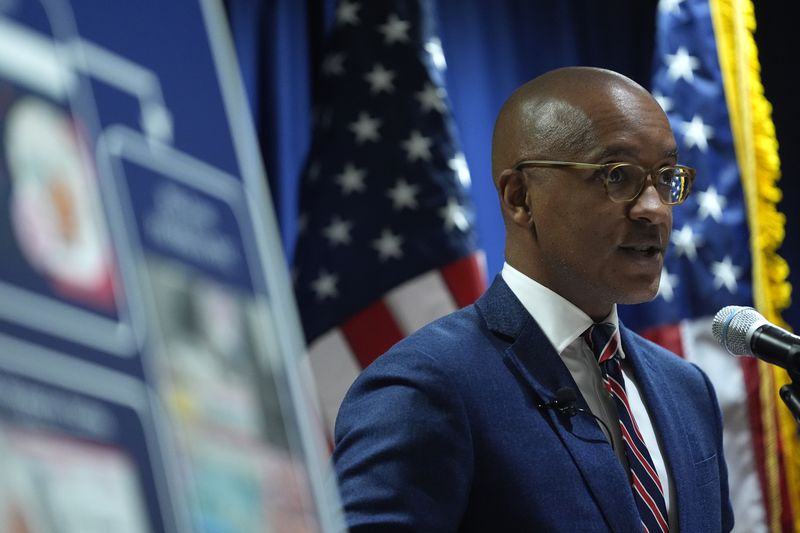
(607,168)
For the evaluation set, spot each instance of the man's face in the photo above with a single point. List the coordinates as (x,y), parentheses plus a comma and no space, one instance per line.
(592,251)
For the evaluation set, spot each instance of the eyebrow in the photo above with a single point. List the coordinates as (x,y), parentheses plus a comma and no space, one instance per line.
(623,151)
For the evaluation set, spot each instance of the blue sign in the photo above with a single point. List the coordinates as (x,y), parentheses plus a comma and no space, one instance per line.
(149,342)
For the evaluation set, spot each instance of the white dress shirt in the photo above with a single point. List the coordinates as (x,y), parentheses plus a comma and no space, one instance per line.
(563,324)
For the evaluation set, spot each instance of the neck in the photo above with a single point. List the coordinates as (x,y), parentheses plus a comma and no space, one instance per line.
(597,311)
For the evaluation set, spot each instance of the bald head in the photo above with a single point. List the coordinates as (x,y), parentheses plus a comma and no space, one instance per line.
(562,228)
(547,117)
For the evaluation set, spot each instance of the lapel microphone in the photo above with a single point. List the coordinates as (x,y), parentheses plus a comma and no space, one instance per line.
(565,402)
(566,406)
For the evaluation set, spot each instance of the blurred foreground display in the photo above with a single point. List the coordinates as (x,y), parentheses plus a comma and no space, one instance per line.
(148,338)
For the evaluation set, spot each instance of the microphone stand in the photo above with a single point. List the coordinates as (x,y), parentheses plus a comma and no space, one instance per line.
(790,393)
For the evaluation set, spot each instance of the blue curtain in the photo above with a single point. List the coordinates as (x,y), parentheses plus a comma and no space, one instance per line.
(491,48)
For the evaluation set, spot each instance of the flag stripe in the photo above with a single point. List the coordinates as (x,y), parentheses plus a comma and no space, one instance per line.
(335,367)
(419,301)
(371,331)
(668,336)
(755,409)
(466,278)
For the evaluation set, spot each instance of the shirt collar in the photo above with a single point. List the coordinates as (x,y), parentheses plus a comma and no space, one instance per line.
(561,321)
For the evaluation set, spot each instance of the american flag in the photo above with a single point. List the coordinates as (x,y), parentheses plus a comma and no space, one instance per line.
(386,240)
(712,262)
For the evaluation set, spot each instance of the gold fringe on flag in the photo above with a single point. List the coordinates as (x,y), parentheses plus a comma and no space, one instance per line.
(759,165)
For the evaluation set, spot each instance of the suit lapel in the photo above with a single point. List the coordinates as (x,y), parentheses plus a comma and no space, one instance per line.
(537,362)
(656,390)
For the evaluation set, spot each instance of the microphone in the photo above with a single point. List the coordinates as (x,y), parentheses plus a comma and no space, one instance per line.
(565,402)
(744,331)
(565,405)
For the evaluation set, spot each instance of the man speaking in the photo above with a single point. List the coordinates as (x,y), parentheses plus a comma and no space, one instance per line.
(535,409)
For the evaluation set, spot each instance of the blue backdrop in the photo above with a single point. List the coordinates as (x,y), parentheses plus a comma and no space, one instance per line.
(491,48)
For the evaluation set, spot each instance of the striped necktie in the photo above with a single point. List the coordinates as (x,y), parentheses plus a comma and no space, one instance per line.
(603,339)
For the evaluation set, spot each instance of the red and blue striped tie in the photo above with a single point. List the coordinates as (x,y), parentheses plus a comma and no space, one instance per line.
(604,341)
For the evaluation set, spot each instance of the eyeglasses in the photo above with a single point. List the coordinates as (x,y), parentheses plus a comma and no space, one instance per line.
(624,182)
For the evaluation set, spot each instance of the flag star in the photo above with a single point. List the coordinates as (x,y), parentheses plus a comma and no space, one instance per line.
(710,203)
(431,98)
(325,285)
(351,179)
(366,128)
(395,30)
(417,146)
(696,133)
(403,195)
(338,232)
(725,273)
(380,79)
(388,245)
(454,215)
(333,64)
(347,13)
(664,101)
(686,242)
(434,48)
(682,65)
(458,164)
(670,6)
(666,288)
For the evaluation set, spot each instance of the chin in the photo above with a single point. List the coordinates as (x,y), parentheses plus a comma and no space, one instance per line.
(644,295)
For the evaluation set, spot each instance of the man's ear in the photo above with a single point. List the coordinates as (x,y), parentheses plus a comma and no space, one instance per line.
(514,197)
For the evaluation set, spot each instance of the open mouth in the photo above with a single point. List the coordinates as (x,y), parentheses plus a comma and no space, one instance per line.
(644,250)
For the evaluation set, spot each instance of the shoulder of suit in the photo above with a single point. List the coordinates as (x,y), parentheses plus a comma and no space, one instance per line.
(449,342)
(656,352)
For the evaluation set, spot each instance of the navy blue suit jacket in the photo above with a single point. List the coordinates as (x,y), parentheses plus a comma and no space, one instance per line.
(444,433)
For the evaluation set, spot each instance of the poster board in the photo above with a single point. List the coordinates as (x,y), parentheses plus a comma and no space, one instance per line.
(149,343)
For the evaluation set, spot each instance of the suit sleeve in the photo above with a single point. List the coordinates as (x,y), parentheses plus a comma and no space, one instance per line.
(403,452)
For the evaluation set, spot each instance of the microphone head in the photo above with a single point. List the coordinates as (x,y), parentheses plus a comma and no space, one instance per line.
(733,326)
(566,398)
(566,395)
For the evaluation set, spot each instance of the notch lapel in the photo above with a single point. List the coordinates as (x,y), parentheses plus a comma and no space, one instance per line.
(537,362)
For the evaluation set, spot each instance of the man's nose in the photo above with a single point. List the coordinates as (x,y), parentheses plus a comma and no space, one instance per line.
(649,207)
